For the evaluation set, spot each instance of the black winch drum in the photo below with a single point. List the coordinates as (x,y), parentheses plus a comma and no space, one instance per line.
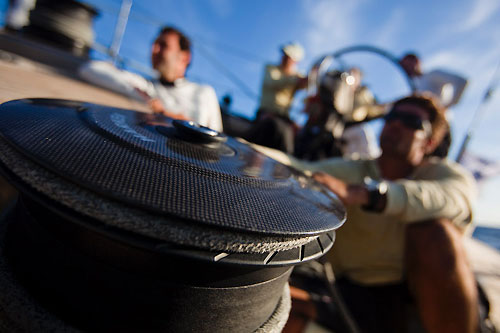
(65,24)
(128,221)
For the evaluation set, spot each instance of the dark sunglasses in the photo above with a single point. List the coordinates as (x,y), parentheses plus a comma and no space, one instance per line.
(410,121)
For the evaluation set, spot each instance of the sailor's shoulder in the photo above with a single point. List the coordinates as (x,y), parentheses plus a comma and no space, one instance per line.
(444,167)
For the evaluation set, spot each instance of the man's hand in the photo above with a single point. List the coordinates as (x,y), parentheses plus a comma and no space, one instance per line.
(348,194)
(157,107)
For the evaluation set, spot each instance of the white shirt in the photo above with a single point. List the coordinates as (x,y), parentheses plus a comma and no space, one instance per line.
(360,143)
(197,102)
(448,87)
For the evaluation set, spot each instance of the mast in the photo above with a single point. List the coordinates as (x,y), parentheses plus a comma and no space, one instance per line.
(120,27)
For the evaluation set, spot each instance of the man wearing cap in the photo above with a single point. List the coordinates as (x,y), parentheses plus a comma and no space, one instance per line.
(273,127)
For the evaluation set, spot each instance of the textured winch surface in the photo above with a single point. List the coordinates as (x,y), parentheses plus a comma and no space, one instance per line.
(120,154)
(32,178)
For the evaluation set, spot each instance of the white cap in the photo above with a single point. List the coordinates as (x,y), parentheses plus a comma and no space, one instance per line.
(294,51)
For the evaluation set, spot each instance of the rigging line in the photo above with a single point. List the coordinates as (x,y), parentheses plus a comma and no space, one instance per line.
(195,37)
(489,91)
(479,113)
(148,15)
(149,19)
(148,71)
(134,53)
(103,7)
(134,15)
(225,88)
(117,2)
(140,67)
(231,50)
(127,61)
(239,83)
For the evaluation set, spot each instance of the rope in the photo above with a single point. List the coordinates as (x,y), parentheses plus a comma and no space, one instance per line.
(337,298)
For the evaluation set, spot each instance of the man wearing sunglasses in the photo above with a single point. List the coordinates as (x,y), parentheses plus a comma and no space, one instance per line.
(406,213)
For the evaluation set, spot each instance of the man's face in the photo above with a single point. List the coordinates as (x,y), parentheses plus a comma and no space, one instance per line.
(168,58)
(286,61)
(406,134)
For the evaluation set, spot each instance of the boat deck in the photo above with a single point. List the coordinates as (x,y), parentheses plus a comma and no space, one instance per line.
(21,77)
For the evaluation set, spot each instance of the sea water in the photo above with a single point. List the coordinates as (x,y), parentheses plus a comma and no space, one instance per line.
(490,236)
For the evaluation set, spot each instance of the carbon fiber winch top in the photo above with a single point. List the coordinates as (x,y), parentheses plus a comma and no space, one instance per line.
(142,160)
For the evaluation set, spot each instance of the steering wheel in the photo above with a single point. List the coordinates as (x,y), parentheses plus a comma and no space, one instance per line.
(321,137)
(322,65)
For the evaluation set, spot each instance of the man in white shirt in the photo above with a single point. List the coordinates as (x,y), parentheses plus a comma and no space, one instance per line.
(171,94)
(445,86)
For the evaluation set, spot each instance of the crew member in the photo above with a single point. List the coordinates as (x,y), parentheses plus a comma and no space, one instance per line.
(171,94)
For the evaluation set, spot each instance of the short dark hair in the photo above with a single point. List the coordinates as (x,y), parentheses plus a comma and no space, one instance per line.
(411,55)
(184,41)
(436,112)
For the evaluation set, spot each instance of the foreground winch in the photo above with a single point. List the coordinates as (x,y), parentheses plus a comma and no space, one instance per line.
(131,222)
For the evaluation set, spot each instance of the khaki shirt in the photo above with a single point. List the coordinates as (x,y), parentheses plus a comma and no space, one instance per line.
(278,90)
(369,247)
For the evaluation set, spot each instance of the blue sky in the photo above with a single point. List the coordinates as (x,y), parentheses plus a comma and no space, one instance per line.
(462,36)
